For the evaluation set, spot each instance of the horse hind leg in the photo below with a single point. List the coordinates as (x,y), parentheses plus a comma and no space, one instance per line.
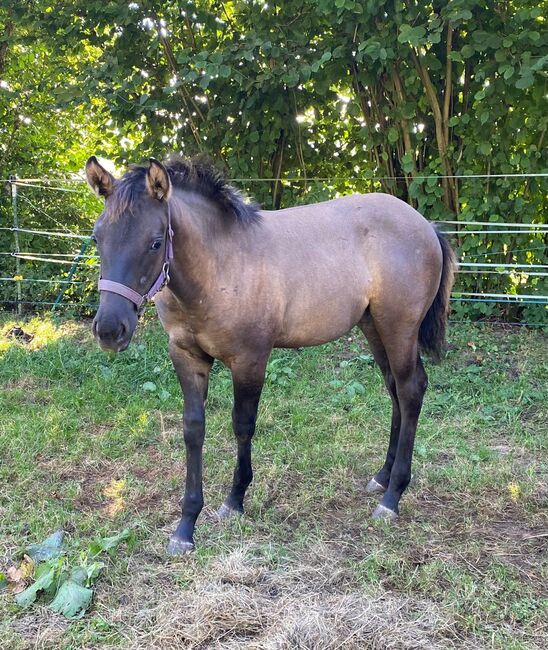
(379,483)
(401,345)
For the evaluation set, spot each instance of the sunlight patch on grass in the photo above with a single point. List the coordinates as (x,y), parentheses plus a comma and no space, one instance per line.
(41,331)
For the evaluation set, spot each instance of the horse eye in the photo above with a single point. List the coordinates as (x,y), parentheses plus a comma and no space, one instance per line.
(156,245)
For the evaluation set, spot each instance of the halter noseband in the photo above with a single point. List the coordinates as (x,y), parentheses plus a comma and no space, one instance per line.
(133,296)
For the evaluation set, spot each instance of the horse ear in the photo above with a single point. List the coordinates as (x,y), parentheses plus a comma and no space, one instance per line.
(100,181)
(158,181)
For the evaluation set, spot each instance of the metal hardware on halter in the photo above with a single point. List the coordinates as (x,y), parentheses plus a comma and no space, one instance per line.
(161,281)
(165,271)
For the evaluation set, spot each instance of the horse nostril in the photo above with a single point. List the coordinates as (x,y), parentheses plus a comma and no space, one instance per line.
(121,332)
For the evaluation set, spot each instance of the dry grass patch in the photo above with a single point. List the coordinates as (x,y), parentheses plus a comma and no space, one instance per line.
(243,600)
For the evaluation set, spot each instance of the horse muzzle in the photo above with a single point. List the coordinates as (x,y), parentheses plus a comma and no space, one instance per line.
(114,331)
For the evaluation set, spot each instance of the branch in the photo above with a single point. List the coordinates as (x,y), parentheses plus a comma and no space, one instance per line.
(398,86)
(168,50)
(4,45)
(448,186)
(191,32)
(183,93)
(448,83)
(299,141)
(277,168)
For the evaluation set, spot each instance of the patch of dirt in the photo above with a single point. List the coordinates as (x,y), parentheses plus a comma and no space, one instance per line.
(96,478)
(514,543)
(40,629)
(520,457)
(30,386)
(24,383)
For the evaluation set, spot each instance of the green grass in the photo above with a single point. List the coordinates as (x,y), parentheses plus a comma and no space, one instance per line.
(85,447)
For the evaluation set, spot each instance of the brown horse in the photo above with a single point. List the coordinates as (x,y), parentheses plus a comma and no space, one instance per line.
(240,282)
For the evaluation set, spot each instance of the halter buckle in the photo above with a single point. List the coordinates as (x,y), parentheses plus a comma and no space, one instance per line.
(165,271)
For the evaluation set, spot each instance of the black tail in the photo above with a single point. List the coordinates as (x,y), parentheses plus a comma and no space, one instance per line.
(434,324)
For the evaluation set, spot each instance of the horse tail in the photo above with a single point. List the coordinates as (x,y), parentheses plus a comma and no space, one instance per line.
(433,327)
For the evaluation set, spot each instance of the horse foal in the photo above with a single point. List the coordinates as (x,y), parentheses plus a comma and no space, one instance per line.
(238,282)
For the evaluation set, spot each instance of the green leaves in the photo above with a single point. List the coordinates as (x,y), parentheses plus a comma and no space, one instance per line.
(351,65)
(525,80)
(72,600)
(393,135)
(27,597)
(412,35)
(50,548)
(407,163)
(69,590)
(468,51)
(108,543)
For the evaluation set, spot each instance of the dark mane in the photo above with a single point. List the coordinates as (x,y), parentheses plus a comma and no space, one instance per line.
(190,174)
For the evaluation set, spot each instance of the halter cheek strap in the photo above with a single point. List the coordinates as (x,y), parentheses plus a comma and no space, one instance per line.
(133,296)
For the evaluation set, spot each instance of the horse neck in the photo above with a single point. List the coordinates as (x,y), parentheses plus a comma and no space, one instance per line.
(203,244)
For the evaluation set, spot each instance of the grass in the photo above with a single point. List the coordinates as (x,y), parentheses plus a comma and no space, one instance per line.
(91,444)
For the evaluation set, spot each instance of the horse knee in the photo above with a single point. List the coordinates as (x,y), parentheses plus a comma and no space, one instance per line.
(390,382)
(422,381)
(194,427)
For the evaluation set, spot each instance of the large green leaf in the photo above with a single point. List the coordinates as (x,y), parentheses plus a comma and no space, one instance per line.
(27,597)
(72,599)
(50,548)
(108,543)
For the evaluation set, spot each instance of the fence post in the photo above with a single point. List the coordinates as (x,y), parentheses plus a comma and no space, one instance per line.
(13,188)
(73,268)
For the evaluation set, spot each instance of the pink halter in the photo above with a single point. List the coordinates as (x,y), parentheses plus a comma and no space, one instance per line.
(133,296)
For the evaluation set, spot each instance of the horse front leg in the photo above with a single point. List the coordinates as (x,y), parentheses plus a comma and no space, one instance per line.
(193,373)
(248,380)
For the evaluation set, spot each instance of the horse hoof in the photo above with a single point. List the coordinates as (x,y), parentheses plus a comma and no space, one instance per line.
(382,512)
(226,512)
(374,487)
(178,546)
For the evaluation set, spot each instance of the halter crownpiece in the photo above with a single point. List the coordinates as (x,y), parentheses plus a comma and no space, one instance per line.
(135,297)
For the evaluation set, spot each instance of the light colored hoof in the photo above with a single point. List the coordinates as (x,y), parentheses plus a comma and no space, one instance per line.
(374,487)
(226,512)
(382,512)
(178,546)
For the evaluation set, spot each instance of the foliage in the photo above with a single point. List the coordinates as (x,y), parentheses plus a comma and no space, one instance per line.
(67,589)
(50,548)
(370,95)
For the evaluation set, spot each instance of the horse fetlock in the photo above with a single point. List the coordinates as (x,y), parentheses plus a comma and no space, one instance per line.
(227,511)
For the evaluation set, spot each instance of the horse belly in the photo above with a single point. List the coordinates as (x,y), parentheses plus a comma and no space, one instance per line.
(316,317)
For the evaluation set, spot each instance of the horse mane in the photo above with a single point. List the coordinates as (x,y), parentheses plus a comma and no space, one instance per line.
(196,174)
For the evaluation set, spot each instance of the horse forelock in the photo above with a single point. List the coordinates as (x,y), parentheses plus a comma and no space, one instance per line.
(126,192)
(195,175)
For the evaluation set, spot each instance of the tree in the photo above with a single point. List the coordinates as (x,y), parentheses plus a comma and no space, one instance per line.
(398,95)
